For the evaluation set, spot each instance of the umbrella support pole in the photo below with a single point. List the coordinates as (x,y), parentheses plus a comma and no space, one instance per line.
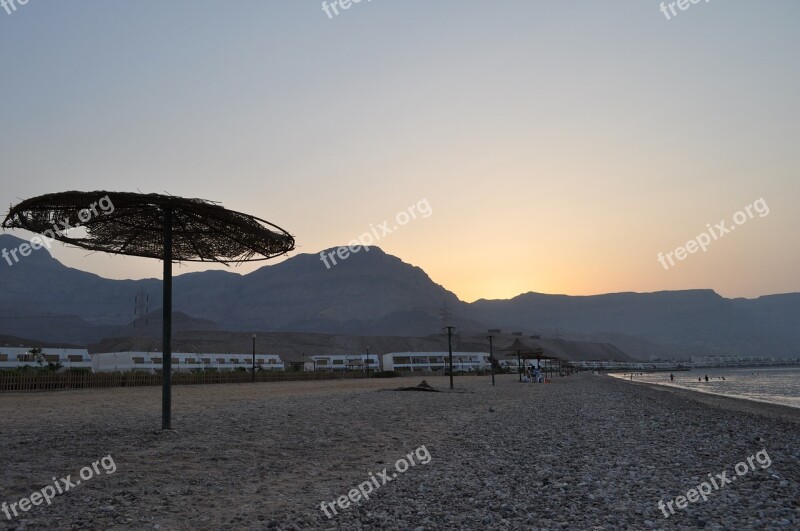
(166,359)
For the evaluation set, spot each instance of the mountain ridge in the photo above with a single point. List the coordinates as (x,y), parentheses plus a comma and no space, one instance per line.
(373,293)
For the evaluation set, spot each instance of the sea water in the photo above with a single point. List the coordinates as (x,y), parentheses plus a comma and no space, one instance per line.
(776,385)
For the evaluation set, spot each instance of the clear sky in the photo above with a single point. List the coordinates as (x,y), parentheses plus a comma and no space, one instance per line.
(561,145)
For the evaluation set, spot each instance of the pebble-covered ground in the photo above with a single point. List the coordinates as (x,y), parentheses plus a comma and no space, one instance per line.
(585,452)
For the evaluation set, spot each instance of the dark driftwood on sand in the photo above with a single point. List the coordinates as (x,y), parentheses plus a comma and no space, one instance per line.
(423,386)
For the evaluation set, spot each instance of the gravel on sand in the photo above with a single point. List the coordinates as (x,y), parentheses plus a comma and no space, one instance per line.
(584,452)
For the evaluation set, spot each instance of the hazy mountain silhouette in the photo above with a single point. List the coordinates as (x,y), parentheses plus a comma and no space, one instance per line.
(376,294)
(672,322)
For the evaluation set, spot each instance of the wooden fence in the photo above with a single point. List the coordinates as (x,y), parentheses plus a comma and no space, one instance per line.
(49,381)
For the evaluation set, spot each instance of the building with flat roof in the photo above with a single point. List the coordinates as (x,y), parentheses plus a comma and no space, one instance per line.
(182,361)
(435,361)
(344,362)
(70,358)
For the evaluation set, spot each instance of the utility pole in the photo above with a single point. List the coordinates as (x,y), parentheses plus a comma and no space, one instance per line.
(450,349)
(254,359)
(491,355)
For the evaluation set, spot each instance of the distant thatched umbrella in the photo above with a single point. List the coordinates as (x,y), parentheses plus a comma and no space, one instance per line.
(519,349)
(538,352)
(154,226)
(545,351)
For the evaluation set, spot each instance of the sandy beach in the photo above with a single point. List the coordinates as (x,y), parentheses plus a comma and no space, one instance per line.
(583,452)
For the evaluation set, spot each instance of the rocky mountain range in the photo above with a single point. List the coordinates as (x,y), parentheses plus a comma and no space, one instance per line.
(376,294)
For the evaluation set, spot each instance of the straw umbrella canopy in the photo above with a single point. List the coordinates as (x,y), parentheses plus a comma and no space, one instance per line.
(551,350)
(157,226)
(520,350)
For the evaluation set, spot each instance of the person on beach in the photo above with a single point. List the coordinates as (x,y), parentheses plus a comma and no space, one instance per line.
(671,377)
(706,377)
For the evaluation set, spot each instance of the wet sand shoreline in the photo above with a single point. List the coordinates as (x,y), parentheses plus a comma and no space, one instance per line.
(729,403)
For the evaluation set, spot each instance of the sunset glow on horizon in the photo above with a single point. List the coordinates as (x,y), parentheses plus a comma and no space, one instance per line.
(562,147)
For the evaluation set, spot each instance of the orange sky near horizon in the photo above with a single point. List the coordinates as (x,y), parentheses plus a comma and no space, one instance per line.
(562,146)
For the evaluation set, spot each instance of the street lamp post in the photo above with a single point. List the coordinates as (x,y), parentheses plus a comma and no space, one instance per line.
(450,349)
(491,355)
(367,361)
(254,358)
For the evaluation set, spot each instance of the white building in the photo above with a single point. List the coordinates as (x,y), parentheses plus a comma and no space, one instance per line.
(605,365)
(435,361)
(70,358)
(182,361)
(734,361)
(343,362)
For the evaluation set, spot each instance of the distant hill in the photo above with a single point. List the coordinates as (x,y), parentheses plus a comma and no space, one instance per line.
(16,342)
(372,293)
(666,323)
(376,294)
(152,324)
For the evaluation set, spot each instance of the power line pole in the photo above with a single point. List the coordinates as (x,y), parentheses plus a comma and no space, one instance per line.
(491,355)
(254,359)
(450,349)
(140,321)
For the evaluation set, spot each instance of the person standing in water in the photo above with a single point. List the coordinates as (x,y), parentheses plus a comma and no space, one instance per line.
(671,377)
(706,377)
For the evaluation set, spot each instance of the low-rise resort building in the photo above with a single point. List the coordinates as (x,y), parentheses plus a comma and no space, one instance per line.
(433,362)
(68,358)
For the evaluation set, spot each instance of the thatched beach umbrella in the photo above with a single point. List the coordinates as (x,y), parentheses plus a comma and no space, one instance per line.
(154,226)
(519,349)
(548,350)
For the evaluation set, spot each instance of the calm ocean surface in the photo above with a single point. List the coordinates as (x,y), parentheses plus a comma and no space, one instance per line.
(777,385)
